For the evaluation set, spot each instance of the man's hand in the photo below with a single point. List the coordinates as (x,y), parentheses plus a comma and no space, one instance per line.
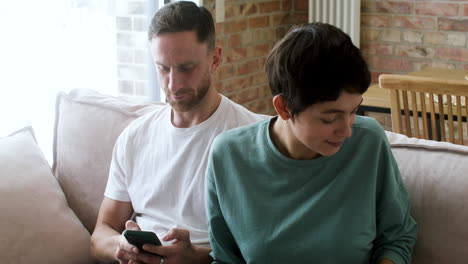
(127,253)
(181,250)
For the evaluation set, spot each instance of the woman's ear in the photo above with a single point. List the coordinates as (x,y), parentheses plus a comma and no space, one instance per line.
(281,108)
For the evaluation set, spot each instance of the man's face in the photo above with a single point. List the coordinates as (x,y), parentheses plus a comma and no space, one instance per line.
(184,68)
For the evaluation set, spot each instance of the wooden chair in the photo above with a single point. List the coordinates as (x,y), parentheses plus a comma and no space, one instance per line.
(413,99)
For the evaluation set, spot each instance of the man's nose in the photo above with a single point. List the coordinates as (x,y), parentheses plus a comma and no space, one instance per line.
(175,81)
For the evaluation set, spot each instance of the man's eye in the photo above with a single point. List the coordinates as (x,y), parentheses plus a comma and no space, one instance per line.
(163,69)
(185,69)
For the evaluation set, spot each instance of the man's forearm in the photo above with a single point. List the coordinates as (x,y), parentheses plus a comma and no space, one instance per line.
(104,243)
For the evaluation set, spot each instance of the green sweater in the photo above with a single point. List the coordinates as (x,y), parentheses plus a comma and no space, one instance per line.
(264,207)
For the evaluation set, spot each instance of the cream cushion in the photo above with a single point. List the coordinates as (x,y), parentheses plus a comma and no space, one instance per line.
(436,175)
(86,127)
(37,224)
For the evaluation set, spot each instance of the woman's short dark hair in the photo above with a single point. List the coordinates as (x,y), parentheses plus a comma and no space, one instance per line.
(314,63)
(184,16)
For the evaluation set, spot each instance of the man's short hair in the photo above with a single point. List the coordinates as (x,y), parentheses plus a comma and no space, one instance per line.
(184,16)
(314,63)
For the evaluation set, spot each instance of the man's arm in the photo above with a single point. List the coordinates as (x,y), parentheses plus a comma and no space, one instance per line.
(110,224)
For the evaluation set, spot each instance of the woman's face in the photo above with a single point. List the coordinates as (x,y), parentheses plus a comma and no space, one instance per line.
(322,128)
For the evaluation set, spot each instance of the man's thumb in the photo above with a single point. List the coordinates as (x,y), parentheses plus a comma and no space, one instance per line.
(131,225)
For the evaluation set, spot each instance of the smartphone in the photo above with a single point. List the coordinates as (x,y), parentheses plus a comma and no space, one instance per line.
(139,238)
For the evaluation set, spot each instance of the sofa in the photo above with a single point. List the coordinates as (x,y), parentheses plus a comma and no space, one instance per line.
(49,212)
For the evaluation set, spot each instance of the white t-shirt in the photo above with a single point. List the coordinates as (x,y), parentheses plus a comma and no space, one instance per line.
(161,168)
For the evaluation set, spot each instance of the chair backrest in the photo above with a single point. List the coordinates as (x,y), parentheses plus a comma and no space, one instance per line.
(428,108)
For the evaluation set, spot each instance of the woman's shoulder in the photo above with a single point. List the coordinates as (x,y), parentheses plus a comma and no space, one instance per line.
(368,127)
(241,137)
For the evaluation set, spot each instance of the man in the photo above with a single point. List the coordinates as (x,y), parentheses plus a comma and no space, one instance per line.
(159,161)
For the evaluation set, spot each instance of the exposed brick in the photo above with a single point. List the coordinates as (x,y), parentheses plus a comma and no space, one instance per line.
(235,26)
(281,19)
(219,28)
(302,5)
(226,71)
(300,18)
(280,32)
(414,22)
(415,52)
(236,84)
(234,40)
(437,9)
(286,5)
(250,66)
(258,50)
(247,95)
(465,67)
(258,106)
(259,22)
(443,64)
(453,24)
(456,54)
(375,76)
(465,10)
(269,7)
(375,20)
(259,78)
(391,64)
(413,36)
(386,7)
(235,54)
(391,35)
(369,35)
(248,9)
(442,38)
(231,11)
(377,48)
(263,35)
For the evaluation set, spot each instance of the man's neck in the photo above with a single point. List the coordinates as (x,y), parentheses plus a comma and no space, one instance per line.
(198,114)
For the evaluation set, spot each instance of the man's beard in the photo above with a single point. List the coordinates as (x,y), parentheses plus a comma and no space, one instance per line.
(196,96)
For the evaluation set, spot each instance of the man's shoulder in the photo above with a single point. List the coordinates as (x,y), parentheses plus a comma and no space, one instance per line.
(241,137)
(240,115)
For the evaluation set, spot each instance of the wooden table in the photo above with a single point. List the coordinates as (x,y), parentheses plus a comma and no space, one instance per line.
(377,99)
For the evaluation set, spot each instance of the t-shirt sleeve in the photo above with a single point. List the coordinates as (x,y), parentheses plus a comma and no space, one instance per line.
(223,245)
(396,229)
(116,188)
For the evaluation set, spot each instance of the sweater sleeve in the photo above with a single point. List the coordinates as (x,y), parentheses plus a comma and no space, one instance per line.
(223,245)
(396,229)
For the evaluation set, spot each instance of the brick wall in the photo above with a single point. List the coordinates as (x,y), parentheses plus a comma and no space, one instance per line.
(405,36)
(249,31)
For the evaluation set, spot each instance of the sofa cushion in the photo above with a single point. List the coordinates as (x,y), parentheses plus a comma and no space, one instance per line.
(86,127)
(436,175)
(36,224)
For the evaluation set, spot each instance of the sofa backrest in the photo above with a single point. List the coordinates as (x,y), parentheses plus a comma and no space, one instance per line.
(87,125)
(436,175)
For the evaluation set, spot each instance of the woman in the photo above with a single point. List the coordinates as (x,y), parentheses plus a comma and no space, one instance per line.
(316,183)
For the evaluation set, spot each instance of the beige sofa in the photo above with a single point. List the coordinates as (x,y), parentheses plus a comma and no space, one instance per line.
(47,214)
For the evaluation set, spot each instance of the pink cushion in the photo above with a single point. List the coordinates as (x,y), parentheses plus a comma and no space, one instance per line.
(86,128)
(436,175)
(36,224)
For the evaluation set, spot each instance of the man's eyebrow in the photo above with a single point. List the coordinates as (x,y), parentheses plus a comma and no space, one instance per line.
(334,111)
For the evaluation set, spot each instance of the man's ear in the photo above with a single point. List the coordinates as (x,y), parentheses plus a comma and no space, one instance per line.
(217,58)
(281,107)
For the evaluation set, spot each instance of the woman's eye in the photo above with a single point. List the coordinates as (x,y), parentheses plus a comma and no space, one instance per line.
(328,121)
